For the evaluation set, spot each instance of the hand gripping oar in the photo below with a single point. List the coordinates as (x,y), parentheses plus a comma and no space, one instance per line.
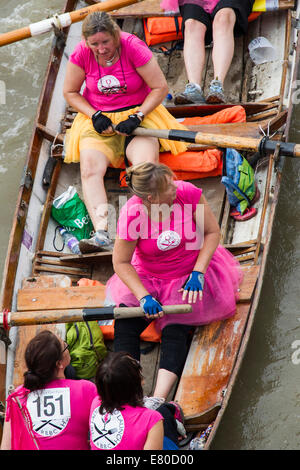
(263,145)
(8,319)
(61,21)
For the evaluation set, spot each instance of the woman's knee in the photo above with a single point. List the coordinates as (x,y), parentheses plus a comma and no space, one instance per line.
(194,27)
(224,20)
(93,163)
(175,341)
(143,149)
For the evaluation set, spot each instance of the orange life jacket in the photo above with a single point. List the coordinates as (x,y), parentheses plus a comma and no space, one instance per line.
(162,29)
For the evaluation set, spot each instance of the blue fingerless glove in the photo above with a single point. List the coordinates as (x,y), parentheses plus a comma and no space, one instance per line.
(150,305)
(195,282)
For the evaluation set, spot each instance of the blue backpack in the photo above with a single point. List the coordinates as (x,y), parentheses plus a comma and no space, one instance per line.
(238,179)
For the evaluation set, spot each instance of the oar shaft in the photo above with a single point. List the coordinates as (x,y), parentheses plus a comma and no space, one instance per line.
(63,20)
(77,315)
(221,140)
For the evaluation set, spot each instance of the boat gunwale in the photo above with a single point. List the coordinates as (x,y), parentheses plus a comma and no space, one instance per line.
(24,197)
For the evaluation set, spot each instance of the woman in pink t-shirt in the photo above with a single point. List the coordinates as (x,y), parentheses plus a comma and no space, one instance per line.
(124,87)
(53,412)
(167,252)
(118,418)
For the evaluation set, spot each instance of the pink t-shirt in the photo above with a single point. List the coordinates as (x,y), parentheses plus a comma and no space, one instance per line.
(60,413)
(170,248)
(121,430)
(134,53)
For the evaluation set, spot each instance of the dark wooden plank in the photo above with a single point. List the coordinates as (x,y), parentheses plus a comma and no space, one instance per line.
(190,110)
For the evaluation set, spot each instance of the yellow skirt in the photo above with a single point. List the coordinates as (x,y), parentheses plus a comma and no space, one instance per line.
(82,135)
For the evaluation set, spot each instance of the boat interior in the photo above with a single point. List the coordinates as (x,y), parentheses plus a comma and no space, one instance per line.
(47,279)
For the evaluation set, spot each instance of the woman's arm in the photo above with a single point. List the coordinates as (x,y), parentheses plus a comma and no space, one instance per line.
(122,255)
(155,79)
(74,79)
(211,232)
(211,237)
(6,437)
(155,437)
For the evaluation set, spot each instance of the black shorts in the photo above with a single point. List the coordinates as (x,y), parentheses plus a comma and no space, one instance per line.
(241,8)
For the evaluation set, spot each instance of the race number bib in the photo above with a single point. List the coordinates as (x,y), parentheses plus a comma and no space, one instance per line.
(50,410)
(107,429)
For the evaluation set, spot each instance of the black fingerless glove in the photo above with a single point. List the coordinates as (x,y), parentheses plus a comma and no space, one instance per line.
(100,122)
(128,126)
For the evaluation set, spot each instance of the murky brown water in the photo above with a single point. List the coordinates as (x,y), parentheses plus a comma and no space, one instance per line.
(264,410)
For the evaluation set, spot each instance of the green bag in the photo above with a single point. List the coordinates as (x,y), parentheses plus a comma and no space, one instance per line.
(86,347)
(70,212)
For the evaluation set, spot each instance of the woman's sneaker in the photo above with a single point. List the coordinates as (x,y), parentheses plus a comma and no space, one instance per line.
(192,94)
(216,93)
(101,241)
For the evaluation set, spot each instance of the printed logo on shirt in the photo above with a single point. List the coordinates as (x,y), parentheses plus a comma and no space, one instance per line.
(107,429)
(106,82)
(50,410)
(168,240)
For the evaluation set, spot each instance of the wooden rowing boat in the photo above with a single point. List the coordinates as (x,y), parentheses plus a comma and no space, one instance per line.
(39,279)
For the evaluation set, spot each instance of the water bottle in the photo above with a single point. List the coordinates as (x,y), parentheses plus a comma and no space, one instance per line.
(167,99)
(70,241)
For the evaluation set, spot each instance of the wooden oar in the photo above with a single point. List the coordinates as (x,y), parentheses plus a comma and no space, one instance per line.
(8,319)
(264,145)
(61,21)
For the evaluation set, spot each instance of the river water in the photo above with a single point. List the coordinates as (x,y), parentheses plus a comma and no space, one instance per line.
(264,410)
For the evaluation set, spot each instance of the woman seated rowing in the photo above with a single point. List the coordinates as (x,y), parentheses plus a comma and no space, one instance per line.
(124,87)
(167,252)
(48,412)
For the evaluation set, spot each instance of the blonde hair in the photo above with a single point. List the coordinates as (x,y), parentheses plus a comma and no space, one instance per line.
(100,22)
(148,178)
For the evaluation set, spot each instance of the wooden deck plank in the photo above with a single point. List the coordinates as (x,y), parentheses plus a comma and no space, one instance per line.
(52,298)
(26,333)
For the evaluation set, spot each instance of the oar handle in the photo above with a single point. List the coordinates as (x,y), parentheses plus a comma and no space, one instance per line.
(32,317)
(63,20)
(250,144)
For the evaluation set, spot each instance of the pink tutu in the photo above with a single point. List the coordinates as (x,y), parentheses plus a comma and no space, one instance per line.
(222,280)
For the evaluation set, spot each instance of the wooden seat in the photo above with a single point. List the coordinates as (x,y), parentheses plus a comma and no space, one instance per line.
(51,298)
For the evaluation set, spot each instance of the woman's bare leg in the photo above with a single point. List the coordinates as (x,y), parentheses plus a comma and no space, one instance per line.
(93,166)
(194,50)
(223,42)
(143,149)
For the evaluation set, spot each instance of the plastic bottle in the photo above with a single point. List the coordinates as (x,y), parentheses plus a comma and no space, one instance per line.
(70,241)
(167,99)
